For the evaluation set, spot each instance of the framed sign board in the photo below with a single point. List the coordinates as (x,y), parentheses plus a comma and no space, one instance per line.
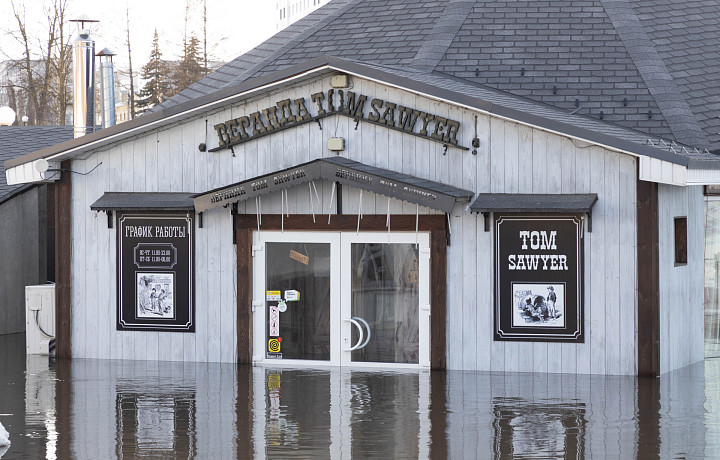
(155,268)
(538,278)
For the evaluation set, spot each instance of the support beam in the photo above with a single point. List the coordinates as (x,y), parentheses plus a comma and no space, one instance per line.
(648,353)
(63,262)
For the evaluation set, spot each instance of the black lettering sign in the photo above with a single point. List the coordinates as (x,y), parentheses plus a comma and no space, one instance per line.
(287,113)
(155,270)
(538,276)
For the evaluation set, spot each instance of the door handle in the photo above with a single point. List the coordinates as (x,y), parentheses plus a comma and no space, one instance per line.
(362,335)
(367,339)
(360,344)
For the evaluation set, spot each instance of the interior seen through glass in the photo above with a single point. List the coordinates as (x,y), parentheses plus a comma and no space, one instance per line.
(385,293)
(302,327)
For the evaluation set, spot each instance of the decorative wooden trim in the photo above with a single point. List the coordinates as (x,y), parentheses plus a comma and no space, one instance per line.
(438,297)
(345,222)
(244,294)
(63,262)
(434,223)
(648,352)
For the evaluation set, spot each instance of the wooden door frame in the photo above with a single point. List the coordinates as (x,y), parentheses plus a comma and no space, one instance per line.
(433,223)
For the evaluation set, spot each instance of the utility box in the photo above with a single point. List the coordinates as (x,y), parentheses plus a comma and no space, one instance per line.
(40,319)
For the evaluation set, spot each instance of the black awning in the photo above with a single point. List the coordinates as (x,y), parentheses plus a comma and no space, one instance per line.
(511,202)
(339,169)
(131,201)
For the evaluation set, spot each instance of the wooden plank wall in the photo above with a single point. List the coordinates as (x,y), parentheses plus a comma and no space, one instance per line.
(511,159)
(681,286)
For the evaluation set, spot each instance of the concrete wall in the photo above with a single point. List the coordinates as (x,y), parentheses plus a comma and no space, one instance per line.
(22,254)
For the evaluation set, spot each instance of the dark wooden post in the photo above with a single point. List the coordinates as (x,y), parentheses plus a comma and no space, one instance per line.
(63,262)
(244,294)
(648,279)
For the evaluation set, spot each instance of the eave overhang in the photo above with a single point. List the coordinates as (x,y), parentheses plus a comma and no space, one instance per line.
(656,164)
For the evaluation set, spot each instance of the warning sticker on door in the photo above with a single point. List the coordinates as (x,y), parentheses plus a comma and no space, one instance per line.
(274,345)
(274,329)
(273,296)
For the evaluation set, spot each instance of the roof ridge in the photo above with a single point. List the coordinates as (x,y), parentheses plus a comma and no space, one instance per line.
(662,86)
(303,34)
(446,28)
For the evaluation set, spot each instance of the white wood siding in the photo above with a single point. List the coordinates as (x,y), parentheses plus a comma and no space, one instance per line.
(511,159)
(681,287)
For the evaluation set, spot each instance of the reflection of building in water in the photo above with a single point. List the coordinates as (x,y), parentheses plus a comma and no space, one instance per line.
(155,422)
(279,430)
(40,400)
(549,429)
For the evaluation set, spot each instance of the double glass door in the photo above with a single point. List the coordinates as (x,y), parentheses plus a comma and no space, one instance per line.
(347,298)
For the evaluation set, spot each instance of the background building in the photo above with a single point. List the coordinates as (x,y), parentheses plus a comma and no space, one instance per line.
(27,225)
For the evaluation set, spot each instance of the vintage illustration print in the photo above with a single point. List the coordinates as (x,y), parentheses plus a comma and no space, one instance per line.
(155,297)
(538,304)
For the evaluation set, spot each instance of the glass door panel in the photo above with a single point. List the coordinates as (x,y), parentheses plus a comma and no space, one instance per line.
(297,301)
(296,280)
(342,298)
(385,295)
(385,292)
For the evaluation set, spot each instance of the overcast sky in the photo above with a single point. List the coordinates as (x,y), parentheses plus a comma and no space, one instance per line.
(234,26)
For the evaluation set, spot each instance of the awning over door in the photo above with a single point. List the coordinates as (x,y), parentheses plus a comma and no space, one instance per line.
(568,203)
(145,201)
(520,202)
(423,192)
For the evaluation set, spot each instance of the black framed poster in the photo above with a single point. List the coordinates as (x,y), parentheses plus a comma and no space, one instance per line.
(538,278)
(156,272)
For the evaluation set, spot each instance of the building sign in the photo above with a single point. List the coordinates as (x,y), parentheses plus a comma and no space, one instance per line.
(538,278)
(155,272)
(357,175)
(288,113)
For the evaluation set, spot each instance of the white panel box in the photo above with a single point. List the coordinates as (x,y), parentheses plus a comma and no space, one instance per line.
(40,319)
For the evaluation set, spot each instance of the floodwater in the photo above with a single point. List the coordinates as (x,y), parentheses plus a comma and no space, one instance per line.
(100,409)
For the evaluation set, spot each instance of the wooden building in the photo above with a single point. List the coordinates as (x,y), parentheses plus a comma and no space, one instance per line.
(331,211)
(26,225)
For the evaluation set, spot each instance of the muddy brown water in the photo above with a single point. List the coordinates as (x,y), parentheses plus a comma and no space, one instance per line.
(102,409)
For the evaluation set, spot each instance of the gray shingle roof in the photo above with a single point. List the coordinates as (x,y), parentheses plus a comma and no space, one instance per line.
(641,64)
(454,90)
(20,140)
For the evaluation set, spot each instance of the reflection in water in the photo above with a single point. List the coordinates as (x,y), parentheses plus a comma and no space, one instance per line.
(131,409)
(546,429)
(155,425)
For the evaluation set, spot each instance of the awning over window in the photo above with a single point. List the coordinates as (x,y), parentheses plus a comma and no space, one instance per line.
(130,201)
(510,202)
(569,203)
(339,169)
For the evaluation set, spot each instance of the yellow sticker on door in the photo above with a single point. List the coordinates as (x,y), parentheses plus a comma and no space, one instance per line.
(274,345)
(273,296)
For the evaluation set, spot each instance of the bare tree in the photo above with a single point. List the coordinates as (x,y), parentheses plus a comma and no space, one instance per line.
(44,69)
(132,83)
(205,53)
